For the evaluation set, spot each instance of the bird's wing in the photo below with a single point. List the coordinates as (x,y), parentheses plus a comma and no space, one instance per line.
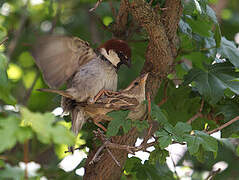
(59,57)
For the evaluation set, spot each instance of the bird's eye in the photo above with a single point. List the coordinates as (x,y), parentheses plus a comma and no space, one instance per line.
(136,83)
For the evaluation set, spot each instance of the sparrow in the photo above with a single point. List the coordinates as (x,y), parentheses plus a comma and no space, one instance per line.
(130,98)
(87,72)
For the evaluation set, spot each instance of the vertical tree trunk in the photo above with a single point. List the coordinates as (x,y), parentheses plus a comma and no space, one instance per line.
(160,53)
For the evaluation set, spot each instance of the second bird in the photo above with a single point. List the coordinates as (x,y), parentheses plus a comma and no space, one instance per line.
(87,71)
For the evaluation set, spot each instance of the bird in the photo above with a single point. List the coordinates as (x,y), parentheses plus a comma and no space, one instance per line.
(87,72)
(130,98)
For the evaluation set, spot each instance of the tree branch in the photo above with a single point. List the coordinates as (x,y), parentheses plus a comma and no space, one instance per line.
(198,114)
(224,125)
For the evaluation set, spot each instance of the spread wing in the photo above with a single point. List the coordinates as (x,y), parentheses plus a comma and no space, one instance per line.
(59,57)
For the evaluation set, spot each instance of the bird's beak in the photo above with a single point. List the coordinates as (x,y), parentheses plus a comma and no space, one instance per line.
(144,77)
(128,63)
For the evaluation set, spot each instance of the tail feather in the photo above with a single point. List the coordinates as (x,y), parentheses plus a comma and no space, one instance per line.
(78,120)
(60,92)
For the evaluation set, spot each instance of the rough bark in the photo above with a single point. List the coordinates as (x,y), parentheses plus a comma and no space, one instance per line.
(159,58)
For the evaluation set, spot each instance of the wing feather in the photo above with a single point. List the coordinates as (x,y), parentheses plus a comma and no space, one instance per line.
(59,57)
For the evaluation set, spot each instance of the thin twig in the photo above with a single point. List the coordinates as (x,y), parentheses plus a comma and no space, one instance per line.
(4,40)
(97,153)
(129,149)
(112,9)
(57,16)
(198,114)
(29,91)
(26,159)
(96,5)
(224,125)
(213,174)
(151,2)
(101,22)
(17,34)
(113,157)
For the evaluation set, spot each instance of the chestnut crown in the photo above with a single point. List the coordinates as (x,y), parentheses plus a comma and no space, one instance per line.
(121,48)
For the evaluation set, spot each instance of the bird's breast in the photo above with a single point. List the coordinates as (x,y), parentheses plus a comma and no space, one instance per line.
(93,77)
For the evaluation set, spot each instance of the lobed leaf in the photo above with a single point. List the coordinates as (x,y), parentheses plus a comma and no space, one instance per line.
(212,83)
(119,120)
(43,126)
(229,50)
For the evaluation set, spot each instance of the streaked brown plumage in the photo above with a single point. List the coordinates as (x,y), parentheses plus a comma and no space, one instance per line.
(130,98)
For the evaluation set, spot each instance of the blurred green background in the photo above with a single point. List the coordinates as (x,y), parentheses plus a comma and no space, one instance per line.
(22,21)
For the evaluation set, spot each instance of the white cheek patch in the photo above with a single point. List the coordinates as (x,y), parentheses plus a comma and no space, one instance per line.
(112,56)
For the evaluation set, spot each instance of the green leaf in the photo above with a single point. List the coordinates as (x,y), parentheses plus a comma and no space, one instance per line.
(8,127)
(3,74)
(192,144)
(213,82)
(3,33)
(230,111)
(200,155)
(185,28)
(131,163)
(42,125)
(26,60)
(61,135)
(182,128)
(197,58)
(211,13)
(119,120)
(164,138)
(158,155)
(229,50)
(200,138)
(157,114)
(140,125)
(23,134)
(11,132)
(12,172)
(5,93)
(217,36)
(200,26)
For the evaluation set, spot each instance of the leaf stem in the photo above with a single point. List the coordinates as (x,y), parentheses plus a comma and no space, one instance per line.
(198,114)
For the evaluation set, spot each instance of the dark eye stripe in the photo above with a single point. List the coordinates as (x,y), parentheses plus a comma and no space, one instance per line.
(121,56)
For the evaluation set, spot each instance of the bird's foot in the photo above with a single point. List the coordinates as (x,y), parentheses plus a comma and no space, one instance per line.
(95,120)
(101,93)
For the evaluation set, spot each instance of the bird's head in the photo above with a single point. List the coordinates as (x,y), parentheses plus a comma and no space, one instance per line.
(117,52)
(136,89)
